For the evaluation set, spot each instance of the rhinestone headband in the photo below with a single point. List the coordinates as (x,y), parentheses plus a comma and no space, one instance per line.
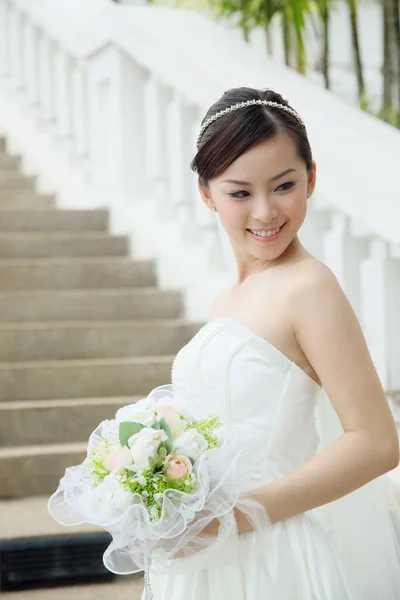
(221,113)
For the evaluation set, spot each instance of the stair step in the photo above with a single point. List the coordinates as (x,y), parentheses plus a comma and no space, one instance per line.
(105,339)
(127,587)
(33,422)
(25,199)
(15,181)
(88,378)
(17,525)
(16,520)
(67,244)
(90,304)
(53,220)
(47,462)
(19,274)
(9,163)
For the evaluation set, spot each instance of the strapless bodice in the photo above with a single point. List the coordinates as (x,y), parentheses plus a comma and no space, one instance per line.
(266,399)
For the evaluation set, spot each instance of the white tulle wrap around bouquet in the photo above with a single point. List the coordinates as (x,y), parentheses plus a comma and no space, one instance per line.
(154,477)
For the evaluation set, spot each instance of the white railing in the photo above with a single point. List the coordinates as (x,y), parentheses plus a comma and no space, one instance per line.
(104,103)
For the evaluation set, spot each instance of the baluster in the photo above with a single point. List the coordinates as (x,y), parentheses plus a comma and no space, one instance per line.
(32,62)
(63,98)
(116,124)
(179,128)
(317,221)
(131,127)
(15,50)
(156,100)
(46,79)
(380,293)
(205,230)
(203,216)
(102,127)
(4,41)
(343,253)
(79,113)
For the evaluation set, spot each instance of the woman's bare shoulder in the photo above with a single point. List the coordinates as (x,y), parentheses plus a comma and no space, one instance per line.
(330,336)
(219,302)
(310,270)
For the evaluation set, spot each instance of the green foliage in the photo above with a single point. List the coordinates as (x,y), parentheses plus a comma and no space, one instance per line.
(385,113)
(390,115)
(293,15)
(151,486)
(207,427)
(364,102)
(159,464)
(94,465)
(162,452)
(126,430)
(164,425)
(151,483)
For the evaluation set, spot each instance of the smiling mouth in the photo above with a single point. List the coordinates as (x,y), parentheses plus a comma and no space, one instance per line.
(265,234)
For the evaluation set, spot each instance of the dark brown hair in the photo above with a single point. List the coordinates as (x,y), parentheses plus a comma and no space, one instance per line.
(229,136)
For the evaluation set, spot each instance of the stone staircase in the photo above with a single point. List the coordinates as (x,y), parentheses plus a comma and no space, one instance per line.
(83,328)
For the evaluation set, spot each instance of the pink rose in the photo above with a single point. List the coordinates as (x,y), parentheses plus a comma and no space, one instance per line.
(163,410)
(178,467)
(118,460)
(173,419)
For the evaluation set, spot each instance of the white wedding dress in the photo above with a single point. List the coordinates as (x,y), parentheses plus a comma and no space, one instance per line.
(343,551)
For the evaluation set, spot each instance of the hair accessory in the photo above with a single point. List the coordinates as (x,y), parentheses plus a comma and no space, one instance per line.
(221,113)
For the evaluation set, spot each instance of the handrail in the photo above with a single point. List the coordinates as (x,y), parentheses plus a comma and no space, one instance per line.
(104,103)
(356,152)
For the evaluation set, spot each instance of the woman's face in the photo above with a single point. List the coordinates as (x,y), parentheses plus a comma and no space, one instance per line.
(264,189)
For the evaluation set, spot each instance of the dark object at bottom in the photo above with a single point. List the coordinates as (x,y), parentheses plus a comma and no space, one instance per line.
(53,560)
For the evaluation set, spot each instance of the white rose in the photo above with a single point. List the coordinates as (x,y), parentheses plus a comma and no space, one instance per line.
(144,444)
(108,499)
(190,443)
(141,412)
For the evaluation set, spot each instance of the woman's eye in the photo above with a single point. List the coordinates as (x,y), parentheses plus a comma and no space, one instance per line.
(285,186)
(235,194)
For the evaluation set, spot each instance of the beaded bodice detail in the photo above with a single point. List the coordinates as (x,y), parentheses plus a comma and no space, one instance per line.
(269,401)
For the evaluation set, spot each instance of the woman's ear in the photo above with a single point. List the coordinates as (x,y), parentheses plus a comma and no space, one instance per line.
(312,178)
(206,196)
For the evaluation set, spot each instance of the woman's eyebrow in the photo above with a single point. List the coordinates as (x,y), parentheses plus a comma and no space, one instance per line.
(282,174)
(240,182)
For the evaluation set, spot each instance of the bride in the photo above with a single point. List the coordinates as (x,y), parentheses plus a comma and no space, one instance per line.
(284,362)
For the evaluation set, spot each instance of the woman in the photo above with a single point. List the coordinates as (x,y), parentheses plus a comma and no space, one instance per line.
(278,338)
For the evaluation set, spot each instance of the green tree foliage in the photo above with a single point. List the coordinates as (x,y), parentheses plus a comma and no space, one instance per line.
(293,16)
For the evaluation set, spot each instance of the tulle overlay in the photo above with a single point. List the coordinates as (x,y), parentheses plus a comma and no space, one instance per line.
(224,476)
(292,560)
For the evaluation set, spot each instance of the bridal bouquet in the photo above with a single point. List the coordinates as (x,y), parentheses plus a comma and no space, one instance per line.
(146,453)
(153,477)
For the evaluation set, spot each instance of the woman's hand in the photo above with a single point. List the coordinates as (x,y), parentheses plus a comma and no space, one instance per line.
(210,530)
(243,524)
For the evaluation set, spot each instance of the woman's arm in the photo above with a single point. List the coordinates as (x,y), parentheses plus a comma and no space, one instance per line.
(330,336)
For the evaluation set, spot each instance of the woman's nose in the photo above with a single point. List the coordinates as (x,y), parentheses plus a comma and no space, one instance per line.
(264,210)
